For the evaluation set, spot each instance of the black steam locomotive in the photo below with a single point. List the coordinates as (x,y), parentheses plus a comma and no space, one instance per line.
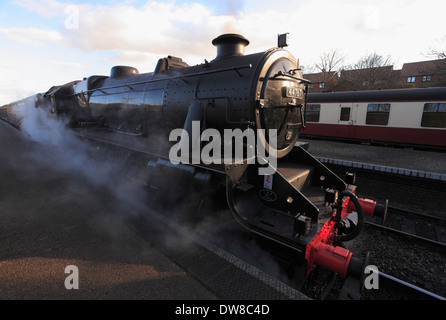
(298,204)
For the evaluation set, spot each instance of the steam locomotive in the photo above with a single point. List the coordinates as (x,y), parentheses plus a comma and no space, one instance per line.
(299,204)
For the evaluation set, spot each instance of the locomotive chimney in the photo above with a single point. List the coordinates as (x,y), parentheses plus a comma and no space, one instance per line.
(230,45)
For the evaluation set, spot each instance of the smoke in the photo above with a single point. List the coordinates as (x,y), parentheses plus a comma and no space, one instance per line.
(233,10)
(233,7)
(59,148)
(80,162)
(231,27)
(85,171)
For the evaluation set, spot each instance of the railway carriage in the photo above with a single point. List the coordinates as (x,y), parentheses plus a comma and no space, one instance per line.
(406,117)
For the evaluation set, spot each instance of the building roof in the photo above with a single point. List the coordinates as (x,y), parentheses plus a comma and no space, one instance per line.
(422,67)
(379,71)
(320,76)
(384,77)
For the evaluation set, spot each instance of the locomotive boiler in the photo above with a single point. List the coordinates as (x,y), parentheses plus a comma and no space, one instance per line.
(300,204)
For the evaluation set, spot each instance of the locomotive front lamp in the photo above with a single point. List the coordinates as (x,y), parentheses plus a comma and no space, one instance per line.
(282,40)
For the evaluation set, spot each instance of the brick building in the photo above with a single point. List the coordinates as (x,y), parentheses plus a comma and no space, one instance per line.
(412,75)
(424,74)
(323,81)
(367,79)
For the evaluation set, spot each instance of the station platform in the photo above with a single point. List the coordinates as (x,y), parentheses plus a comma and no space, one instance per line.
(54,213)
(51,219)
(404,161)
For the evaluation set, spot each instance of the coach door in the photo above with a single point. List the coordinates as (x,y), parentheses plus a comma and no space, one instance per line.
(346,121)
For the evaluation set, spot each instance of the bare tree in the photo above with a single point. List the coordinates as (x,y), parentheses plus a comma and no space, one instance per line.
(330,63)
(438,53)
(438,67)
(370,72)
(372,61)
(308,69)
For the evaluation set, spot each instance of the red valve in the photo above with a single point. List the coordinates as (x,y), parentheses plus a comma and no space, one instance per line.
(334,258)
(368,206)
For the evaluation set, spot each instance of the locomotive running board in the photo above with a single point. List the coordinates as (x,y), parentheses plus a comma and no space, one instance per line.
(287,206)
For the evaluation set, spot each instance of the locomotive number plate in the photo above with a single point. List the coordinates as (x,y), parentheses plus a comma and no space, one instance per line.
(292,92)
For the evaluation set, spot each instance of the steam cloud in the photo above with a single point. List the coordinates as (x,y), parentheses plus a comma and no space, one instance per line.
(81,161)
(60,150)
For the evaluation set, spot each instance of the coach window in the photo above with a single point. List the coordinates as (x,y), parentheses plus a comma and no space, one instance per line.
(345,114)
(378,114)
(434,115)
(313,112)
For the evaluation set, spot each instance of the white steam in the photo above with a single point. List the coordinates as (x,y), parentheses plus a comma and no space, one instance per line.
(61,151)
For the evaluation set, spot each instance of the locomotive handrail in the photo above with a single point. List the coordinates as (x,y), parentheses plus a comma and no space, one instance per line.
(233,68)
(289,105)
(285,74)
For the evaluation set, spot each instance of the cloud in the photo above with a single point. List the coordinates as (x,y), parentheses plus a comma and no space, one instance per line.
(68,64)
(138,33)
(45,8)
(157,28)
(186,29)
(32,36)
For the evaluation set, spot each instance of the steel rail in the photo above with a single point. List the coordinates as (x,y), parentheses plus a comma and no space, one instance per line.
(408,285)
(406,234)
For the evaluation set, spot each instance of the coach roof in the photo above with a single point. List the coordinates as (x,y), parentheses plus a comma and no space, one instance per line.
(419,94)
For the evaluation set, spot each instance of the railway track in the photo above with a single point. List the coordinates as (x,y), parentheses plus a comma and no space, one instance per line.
(418,226)
(416,193)
(409,249)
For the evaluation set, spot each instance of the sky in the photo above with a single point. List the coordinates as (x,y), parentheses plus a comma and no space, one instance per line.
(52,42)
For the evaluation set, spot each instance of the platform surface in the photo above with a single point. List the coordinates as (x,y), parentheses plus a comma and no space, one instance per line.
(406,158)
(51,218)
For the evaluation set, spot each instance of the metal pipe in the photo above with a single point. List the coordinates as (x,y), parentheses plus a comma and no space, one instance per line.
(358,228)
(233,68)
